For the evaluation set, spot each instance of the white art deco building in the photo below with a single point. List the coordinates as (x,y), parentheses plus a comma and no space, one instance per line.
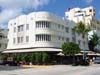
(41,31)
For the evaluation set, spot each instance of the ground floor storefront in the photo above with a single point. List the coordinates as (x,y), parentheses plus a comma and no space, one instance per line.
(47,57)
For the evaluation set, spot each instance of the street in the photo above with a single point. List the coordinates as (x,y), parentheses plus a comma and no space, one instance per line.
(55,70)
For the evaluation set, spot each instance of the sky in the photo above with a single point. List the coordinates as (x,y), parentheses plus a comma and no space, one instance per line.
(10,9)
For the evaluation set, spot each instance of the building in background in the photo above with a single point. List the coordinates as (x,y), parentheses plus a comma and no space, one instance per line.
(41,31)
(3,39)
(87,16)
(77,14)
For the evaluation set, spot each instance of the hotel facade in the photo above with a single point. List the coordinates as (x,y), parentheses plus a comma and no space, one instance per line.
(41,31)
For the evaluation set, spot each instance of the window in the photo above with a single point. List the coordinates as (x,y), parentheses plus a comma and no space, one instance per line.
(90,10)
(14,40)
(27,38)
(43,37)
(14,23)
(59,38)
(14,29)
(62,38)
(5,45)
(1,36)
(20,28)
(27,26)
(67,16)
(19,39)
(62,27)
(0,45)
(79,11)
(80,15)
(31,18)
(58,26)
(79,42)
(93,14)
(42,24)
(84,43)
(67,29)
(94,10)
(73,39)
(73,32)
(67,39)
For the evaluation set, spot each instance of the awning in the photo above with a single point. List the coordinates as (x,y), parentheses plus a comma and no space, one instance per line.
(33,50)
(61,54)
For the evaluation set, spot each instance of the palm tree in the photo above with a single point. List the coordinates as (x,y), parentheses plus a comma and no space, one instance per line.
(81,28)
(94,40)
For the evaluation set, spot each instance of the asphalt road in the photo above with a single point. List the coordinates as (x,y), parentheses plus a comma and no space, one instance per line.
(55,70)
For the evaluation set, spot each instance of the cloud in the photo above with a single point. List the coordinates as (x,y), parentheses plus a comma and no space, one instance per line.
(11,8)
(88,1)
(7,14)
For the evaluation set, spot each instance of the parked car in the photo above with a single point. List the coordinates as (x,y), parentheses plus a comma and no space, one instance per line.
(97,61)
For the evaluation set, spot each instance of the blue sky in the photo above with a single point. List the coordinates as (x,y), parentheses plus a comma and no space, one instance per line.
(12,8)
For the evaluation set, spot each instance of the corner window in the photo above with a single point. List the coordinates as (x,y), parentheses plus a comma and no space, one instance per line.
(42,24)
(43,37)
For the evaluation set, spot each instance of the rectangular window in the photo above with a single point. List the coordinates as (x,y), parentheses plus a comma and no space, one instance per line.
(84,43)
(14,23)
(1,36)
(5,45)
(14,29)
(73,32)
(62,38)
(20,28)
(21,39)
(67,29)
(18,39)
(79,42)
(14,40)
(73,39)
(0,45)
(59,38)
(27,38)
(27,26)
(62,27)
(90,10)
(58,26)
(67,39)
